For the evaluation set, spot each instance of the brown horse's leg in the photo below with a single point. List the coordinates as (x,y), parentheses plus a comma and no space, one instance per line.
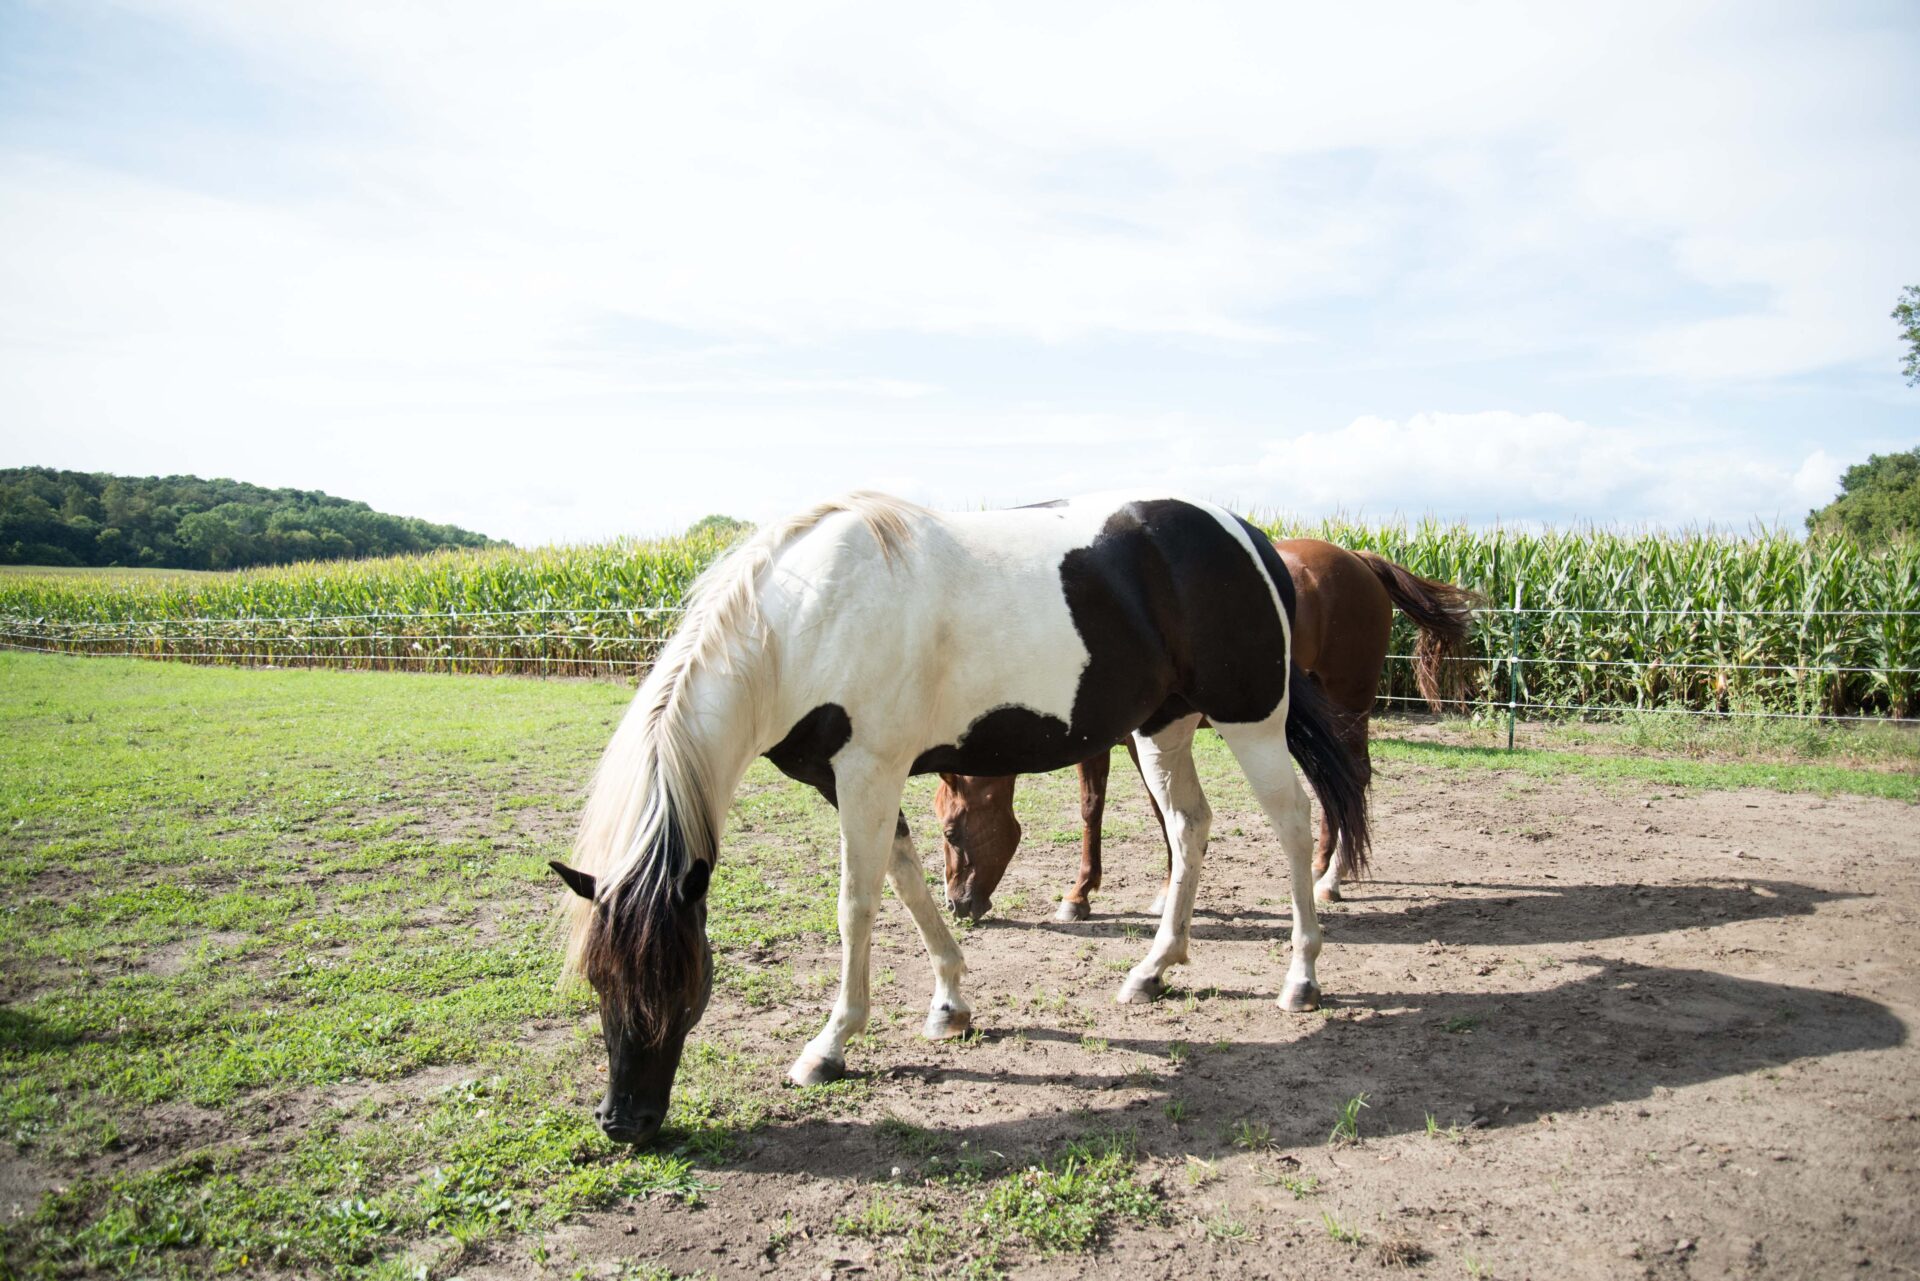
(1093,806)
(1331,867)
(1323,848)
(1160,899)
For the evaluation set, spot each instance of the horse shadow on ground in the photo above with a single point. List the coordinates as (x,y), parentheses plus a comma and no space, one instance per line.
(1615,1035)
(1516,914)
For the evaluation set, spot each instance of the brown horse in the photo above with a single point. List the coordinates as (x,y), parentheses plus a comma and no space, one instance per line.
(1343,620)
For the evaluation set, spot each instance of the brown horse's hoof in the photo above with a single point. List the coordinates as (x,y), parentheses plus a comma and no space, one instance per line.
(1069,910)
(1327,894)
(1140,991)
(946,1024)
(1301,998)
(811,1069)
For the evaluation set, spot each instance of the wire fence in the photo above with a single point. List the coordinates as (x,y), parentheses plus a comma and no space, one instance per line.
(1850,665)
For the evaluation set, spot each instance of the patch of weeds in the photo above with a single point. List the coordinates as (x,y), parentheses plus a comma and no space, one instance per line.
(1340,1232)
(834,1098)
(1252,1136)
(1065,1207)
(644,1270)
(882,1217)
(655,1174)
(1346,1125)
(1178,1052)
(781,1235)
(934,1249)
(1200,1172)
(1451,1133)
(719,1097)
(972,1170)
(1301,1186)
(1094,1044)
(1459,1024)
(1176,1110)
(1224,1228)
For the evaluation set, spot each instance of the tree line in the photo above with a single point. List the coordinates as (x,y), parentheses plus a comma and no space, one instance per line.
(71,518)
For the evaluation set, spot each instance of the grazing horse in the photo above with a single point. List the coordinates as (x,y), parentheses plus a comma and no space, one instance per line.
(868,640)
(1342,624)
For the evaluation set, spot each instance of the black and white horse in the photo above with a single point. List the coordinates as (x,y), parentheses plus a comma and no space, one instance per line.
(869,640)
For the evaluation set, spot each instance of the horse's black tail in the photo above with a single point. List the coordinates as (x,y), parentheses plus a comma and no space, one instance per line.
(1444,615)
(1314,738)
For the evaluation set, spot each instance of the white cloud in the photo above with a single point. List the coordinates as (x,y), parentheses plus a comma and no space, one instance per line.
(448,286)
(1522,467)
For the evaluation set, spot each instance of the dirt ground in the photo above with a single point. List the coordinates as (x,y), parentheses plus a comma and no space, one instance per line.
(1672,1030)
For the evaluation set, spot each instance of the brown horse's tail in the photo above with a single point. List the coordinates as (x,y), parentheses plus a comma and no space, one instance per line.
(1315,739)
(1444,615)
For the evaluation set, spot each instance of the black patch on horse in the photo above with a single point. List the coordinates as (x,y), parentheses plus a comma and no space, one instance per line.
(1176,618)
(806,753)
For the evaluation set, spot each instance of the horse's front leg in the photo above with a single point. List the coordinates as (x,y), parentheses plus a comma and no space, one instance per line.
(1093,807)
(948,1015)
(867,820)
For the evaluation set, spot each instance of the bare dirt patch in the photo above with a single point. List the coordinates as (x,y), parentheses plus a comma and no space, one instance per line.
(1599,1033)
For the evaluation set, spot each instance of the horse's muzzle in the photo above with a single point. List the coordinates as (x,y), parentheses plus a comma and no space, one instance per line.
(628,1123)
(972,907)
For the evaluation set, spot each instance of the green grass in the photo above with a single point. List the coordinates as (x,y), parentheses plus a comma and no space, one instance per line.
(1823,780)
(1346,1124)
(309,913)
(244,893)
(1065,1206)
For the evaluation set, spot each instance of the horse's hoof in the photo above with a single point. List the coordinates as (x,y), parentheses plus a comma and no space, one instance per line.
(1324,894)
(1140,991)
(811,1069)
(1158,905)
(1301,998)
(1071,911)
(945,1025)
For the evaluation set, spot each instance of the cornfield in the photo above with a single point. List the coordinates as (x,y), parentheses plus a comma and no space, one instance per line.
(577,611)
(1606,621)
(1703,622)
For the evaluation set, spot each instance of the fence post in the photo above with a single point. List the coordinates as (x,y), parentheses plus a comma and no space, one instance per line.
(1513,661)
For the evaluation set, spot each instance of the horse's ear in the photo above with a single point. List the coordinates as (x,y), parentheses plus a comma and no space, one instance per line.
(579,882)
(695,884)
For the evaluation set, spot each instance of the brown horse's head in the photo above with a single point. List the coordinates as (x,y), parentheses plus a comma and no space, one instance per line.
(980,834)
(646,954)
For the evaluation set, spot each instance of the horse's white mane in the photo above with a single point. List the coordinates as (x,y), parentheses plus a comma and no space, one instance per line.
(650,811)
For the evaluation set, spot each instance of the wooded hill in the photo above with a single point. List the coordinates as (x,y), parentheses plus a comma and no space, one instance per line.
(50,517)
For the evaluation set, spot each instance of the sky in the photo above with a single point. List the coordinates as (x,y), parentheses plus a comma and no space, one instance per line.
(564,271)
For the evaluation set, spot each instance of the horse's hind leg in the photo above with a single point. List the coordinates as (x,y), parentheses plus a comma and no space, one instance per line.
(949,1014)
(1261,749)
(1093,807)
(1333,865)
(869,813)
(1326,863)
(1166,763)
